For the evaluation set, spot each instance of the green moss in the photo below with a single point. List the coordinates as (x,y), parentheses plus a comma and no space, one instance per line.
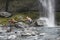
(16,16)
(3,20)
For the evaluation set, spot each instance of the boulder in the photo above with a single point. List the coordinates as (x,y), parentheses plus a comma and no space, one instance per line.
(5,14)
(43,21)
(21,25)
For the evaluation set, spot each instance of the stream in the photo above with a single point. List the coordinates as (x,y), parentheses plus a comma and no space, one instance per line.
(41,33)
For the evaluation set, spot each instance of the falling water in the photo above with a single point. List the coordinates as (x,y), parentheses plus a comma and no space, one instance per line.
(51,13)
(48,7)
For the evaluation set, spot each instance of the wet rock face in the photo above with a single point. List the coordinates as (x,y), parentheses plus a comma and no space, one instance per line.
(19,5)
(57,5)
(23,5)
(5,14)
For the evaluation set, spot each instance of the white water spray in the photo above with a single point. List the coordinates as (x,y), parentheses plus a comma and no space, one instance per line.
(51,13)
(48,5)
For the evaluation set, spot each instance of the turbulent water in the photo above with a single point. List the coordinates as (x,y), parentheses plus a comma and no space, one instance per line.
(44,33)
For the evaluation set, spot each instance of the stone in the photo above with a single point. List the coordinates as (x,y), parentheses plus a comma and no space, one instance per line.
(5,14)
(21,25)
(12,37)
(43,21)
(28,32)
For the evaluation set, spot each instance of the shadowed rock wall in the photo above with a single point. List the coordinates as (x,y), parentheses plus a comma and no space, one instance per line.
(19,5)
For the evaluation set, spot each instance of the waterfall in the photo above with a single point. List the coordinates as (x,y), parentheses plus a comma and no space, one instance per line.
(48,6)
